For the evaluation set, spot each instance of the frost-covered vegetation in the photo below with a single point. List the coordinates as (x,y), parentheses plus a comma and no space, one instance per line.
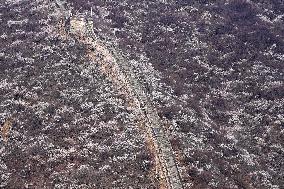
(217,81)
(214,70)
(71,127)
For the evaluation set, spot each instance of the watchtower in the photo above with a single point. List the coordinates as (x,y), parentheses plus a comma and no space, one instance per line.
(82,24)
(78,24)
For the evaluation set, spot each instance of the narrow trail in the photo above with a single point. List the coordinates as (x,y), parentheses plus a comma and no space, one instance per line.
(122,75)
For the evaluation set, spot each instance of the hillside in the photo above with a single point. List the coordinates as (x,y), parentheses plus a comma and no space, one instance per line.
(211,74)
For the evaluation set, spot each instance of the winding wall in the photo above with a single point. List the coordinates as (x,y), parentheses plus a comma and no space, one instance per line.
(122,75)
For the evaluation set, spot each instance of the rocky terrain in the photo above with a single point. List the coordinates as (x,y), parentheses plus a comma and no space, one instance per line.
(212,69)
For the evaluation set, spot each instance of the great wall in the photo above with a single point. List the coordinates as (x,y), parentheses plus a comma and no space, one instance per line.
(122,75)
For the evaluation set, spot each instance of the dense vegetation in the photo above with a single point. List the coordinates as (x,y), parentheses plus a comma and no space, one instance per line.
(214,70)
(219,81)
(71,128)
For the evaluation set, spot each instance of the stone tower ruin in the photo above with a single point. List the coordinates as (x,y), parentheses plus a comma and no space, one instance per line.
(82,24)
